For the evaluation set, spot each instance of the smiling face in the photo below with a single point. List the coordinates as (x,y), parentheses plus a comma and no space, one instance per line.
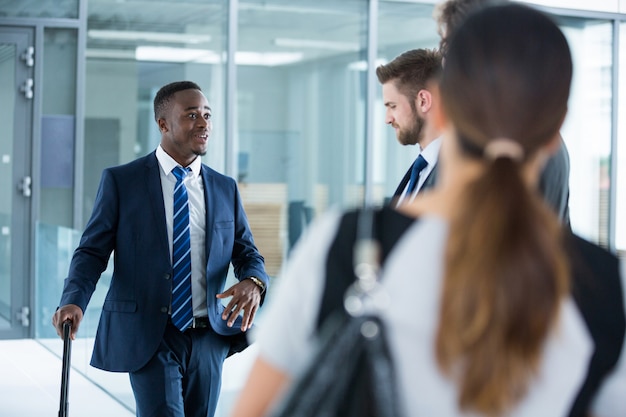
(402,116)
(185,126)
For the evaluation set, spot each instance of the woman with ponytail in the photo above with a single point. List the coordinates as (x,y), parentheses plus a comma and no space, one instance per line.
(494,309)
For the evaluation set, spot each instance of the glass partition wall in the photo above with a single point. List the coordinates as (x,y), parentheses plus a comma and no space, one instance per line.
(587,127)
(620,152)
(300,115)
(401,27)
(297,140)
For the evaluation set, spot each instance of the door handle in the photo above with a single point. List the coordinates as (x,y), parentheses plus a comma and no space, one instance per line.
(28,56)
(23,316)
(24,186)
(27,88)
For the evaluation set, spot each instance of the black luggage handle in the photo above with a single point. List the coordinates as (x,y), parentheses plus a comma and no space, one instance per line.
(65,374)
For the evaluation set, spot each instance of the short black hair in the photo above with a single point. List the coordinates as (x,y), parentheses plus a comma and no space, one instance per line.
(163,96)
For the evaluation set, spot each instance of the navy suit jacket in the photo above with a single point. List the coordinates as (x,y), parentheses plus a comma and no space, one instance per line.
(428,183)
(129,220)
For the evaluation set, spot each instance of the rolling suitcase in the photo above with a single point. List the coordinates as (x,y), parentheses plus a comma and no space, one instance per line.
(65,372)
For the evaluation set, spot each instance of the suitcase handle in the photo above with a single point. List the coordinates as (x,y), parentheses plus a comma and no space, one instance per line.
(65,373)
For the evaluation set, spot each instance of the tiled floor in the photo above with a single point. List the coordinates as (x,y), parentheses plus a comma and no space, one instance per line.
(30,382)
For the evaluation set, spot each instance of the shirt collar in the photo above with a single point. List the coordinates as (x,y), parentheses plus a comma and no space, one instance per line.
(168,163)
(431,152)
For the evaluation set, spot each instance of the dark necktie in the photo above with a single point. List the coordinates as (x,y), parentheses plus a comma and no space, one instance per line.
(182,307)
(419,164)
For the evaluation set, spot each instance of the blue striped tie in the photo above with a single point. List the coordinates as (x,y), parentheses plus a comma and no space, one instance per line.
(182,307)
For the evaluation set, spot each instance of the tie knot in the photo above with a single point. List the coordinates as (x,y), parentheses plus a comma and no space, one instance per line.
(421,163)
(180,172)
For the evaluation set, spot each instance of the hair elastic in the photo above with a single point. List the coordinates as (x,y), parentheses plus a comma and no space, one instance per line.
(504,148)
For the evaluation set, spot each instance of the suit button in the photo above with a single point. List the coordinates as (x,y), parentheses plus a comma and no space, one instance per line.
(164,309)
(167,276)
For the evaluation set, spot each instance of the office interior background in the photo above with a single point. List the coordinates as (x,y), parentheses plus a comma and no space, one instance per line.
(298,121)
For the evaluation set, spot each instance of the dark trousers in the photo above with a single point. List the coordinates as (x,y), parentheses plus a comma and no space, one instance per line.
(183,377)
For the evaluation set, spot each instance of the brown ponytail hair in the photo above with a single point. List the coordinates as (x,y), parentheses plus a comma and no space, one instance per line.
(507,75)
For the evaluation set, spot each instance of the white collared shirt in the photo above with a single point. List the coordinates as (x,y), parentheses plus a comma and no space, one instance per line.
(430,153)
(197,222)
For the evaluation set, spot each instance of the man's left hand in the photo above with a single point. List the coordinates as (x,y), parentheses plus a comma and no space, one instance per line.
(246,296)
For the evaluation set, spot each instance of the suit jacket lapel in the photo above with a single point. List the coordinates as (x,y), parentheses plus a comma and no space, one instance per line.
(404,182)
(207,182)
(214,306)
(428,183)
(155,195)
(430,180)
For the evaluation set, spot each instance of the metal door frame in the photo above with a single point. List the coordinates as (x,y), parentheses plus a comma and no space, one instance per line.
(21,205)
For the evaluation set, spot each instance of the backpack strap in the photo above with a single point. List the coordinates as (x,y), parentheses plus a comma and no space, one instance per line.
(389,225)
(597,291)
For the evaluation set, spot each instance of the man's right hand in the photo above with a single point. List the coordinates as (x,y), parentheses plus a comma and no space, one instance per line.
(69,312)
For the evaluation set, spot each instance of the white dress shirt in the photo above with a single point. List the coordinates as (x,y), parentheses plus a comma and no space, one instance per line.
(430,153)
(197,223)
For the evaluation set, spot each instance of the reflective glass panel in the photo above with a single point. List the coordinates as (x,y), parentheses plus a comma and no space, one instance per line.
(587,127)
(67,9)
(58,137)
(7,103)
(620,221)
(402,27)
(300,114)
(132,51)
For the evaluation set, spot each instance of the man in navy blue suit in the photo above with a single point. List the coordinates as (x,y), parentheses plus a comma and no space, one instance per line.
(173,372)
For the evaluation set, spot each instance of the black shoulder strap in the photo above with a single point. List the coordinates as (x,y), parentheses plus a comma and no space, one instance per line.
(597,291)
(389,225)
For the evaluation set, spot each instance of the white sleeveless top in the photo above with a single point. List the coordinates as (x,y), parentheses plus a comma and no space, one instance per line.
(286,328)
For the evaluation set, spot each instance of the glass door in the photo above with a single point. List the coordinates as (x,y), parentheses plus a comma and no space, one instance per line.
(16,96)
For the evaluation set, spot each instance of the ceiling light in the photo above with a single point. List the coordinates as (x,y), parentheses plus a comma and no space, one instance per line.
(203,56)
(362,65)
(267,59)
(128,35)
(283,8)
(167,54)
(110,53)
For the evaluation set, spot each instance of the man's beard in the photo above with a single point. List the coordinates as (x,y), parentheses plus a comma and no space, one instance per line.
(413,134)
